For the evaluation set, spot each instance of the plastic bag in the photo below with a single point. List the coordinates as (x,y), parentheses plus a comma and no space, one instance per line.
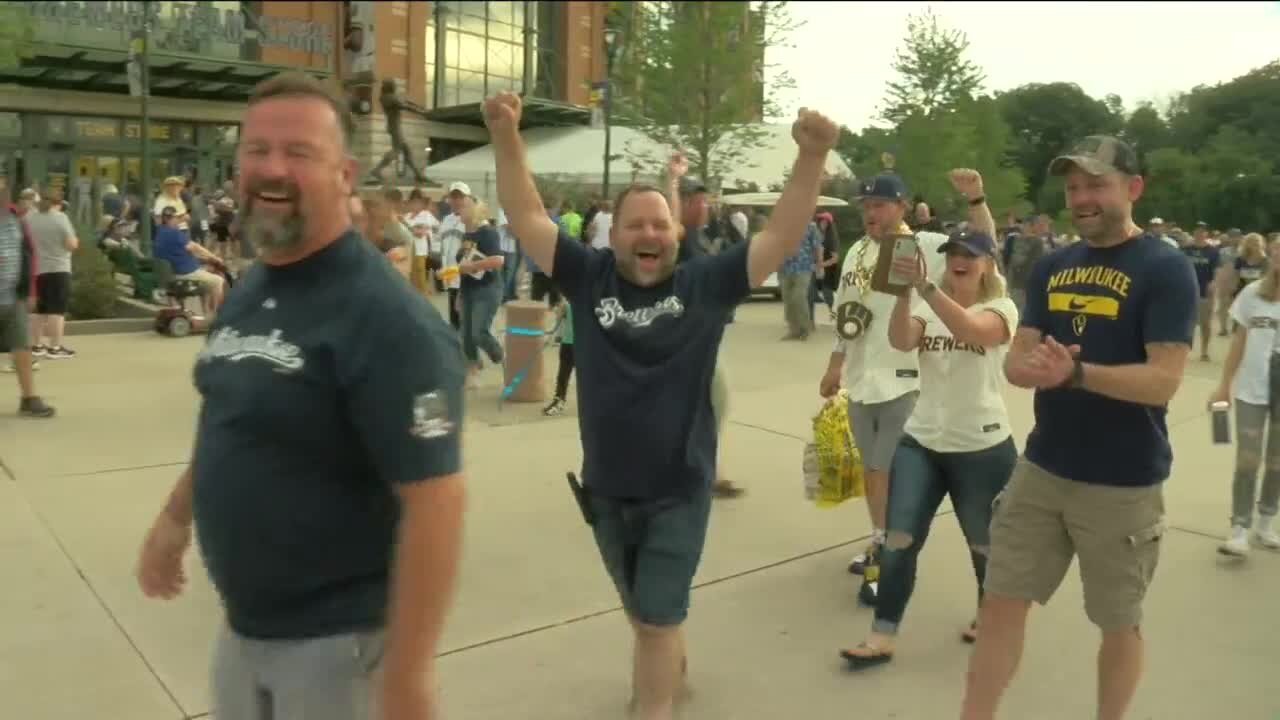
(832,465)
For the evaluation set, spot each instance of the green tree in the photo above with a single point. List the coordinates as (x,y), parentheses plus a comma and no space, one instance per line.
(691,76)
(1046,119)
(17,32)
(1250,102)
(925,147)
(1174,188)
(863,152)
(934,73)
(1145,130)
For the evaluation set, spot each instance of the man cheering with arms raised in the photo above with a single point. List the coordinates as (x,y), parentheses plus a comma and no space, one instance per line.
(647,334)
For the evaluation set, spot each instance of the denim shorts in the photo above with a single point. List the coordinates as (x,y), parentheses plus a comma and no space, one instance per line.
(652,549)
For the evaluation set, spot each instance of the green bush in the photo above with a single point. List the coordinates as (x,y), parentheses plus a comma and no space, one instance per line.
(93,285)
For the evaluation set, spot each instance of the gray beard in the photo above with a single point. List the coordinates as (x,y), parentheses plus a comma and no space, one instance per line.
(271,235)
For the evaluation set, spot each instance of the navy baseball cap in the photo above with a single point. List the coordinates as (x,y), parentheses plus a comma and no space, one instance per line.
(974,241)
(884,186)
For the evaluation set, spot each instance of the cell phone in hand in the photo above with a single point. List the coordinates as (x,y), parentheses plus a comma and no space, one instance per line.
(884,279)
(904,247)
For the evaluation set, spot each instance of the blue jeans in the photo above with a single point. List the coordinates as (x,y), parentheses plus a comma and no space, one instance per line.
(479,306)
(919,478)
(651,550)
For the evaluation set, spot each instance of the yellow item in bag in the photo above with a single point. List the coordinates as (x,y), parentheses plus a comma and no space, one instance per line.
(832,463)
(448,273)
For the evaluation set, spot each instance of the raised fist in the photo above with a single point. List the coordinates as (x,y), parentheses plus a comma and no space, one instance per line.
(814,132)
(967,182)
(677,166)
(502,111)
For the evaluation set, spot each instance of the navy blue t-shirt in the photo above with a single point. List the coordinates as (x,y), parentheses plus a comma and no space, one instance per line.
(1111,302)
(171,244)
(485,240)
(645,357)
(1205,262)
(325,384)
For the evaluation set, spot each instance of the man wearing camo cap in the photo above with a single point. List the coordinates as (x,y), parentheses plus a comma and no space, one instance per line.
(1103,341)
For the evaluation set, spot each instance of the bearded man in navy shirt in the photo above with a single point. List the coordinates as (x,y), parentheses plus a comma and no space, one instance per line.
(646,332)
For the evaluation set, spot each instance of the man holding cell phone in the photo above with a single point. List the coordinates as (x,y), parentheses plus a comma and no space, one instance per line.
(882,382)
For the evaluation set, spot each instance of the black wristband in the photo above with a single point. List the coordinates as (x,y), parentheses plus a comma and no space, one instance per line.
(1075,380)
(978,200)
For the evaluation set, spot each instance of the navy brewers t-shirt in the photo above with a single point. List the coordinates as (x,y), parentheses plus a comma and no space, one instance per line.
(484,240)
(1111,302)
(645,357)
(1204,260)
(325,385)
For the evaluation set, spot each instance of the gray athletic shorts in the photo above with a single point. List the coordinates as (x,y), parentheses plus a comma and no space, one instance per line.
(877,428)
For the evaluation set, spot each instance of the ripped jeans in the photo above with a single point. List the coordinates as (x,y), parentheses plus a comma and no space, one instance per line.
(918,480)
(1252,423)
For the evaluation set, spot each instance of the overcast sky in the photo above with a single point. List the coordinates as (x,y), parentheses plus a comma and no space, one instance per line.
(841,56)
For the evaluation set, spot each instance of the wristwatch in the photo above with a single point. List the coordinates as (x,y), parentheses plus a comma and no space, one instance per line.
(975,202)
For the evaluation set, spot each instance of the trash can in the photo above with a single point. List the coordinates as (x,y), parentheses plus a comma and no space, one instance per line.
(523,344)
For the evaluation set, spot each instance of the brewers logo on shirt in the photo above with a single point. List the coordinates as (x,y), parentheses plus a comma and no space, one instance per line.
(430,416)
(1095,292)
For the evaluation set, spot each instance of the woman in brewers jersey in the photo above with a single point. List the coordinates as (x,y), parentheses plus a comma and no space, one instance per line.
(958,440)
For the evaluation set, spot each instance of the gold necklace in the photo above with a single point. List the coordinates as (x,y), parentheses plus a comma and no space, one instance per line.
(861,273)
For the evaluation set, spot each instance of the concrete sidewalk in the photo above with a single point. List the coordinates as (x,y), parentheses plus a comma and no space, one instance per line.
(536,632)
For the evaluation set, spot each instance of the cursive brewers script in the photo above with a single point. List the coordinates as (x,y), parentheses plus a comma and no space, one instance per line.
(229,344)
(610,311)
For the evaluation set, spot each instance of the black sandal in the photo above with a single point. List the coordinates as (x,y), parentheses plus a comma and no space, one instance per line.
(862,662)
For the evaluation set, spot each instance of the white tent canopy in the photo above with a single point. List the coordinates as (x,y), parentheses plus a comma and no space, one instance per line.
(576,155)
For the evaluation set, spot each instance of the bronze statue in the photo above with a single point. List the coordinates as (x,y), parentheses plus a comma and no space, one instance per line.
(392,105)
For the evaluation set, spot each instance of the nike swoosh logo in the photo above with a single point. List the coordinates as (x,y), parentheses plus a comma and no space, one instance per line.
(1077,304)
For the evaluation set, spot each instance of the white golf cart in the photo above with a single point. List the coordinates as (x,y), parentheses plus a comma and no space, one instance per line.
(769,199)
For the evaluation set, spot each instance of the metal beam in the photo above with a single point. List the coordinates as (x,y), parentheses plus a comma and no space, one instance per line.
(54,72)
(177,71)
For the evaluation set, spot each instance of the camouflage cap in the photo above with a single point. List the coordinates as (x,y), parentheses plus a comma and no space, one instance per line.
(1097,155)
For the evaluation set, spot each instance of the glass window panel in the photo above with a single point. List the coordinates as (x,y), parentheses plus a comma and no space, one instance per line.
(500,83)
(501,11)
(501,59)
(429,43)
(429,70)
(473,17)
(451,42)
(517,64)
(499,31)
(471,53)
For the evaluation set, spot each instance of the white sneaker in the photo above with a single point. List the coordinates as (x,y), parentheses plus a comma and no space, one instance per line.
(1236,544)
(1265,533)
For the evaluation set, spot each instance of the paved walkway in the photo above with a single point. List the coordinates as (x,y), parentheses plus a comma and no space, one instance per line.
(536,632)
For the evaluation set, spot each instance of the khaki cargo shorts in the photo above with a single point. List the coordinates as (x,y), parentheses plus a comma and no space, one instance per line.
(1041,521)
(210,282)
